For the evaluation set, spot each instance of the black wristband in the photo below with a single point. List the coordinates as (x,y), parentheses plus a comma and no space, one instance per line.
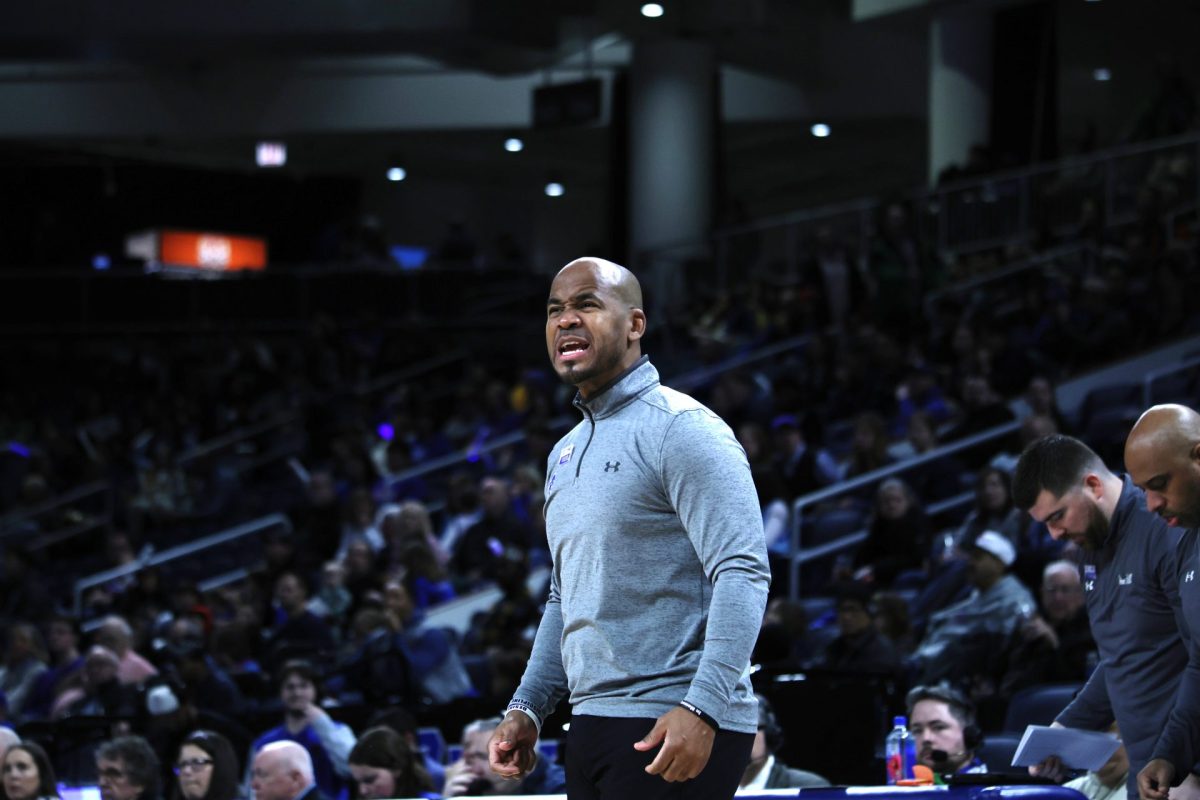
(709,721)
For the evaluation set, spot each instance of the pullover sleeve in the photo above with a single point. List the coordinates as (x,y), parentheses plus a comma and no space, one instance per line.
(1180,739)
(545,681)
(707,478)
(337,739)
(1091,709)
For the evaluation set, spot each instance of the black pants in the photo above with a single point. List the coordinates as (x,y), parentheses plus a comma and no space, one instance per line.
(602,764)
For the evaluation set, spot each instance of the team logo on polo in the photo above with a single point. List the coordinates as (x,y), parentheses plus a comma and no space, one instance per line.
(1125,580)
(612,466)
(1189,576)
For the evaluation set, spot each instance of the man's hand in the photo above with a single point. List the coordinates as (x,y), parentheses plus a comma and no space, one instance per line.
(313,713)
(686,745)
(1051,768)
(512,750)
(1155,779)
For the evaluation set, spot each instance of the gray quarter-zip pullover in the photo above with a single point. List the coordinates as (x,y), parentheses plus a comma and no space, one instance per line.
(660,571)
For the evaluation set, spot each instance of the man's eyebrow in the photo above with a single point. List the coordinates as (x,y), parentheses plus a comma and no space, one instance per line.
(585,295)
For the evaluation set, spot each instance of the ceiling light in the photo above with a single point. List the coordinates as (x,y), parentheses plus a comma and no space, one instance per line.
(820,130)
(555,189)
(1101,74)
(513,145)
(270,154)
(652,10)
(397,174)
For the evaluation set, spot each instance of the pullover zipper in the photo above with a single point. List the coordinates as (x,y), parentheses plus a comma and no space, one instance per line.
(588,413)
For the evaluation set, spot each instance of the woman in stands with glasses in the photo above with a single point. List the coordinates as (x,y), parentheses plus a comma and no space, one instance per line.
(384,765)
(206,768)
(28,774)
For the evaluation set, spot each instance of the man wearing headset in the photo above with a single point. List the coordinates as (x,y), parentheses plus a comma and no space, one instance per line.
(942,721)
(764,770)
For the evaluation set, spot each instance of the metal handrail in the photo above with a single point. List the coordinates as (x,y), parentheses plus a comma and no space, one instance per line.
(850,539)
(233,437)
(874,476)
(181,551)
(408,373)
(864,206)
(9,522)
(688,380)
(1009,270)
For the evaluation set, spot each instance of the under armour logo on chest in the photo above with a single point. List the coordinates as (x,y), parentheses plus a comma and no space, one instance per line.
(612,466)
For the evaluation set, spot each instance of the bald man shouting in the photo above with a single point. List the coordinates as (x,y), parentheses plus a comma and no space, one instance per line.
(659,575)
(1162,455)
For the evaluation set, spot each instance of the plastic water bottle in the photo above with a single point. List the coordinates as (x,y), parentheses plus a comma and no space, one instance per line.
(900,751)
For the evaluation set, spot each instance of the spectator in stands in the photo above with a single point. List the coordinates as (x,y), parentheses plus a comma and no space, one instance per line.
(921,394)
(411,559)
(431,652)
(25,595)
(115,634)
(100,692)
(803,467)
(783,638)
(127,769)
(1042,400)
(295,627)
(8,737)
(771,491)
(942,721)
(859,646)
(28,774)
(206,768)
(962,637)
(869,449)
(384,765)
(497,535)
(24,663)
(471,775)
(462,510)
(284,771)
(993,511)
(205,683)
(894,620)
(898,538)
(936,479)
(406,522)
(332,601)
(305,723)
(1057,645)
(833,278)
(897,270)
(982,409)
(510,621)
(405,724)
(359,525)
(766,772)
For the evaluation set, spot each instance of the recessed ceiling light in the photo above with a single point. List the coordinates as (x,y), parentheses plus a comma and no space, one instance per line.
(555,189)
(513,145)
(397,174)
(820,130)
(1102,74)
(652,10)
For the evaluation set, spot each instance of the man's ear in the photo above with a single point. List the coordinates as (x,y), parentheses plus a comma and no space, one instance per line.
(637,324)
(1093,484)
(1195,453)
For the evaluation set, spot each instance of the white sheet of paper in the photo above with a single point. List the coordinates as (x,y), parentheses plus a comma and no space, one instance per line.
(1078,749)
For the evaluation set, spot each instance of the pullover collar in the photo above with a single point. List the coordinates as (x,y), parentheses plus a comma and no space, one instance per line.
(631,384)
